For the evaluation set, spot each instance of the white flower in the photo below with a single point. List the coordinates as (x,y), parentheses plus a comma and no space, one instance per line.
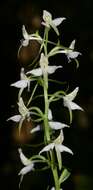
(23,82)
(49,22)
(70,53)
(28,37)
(44,68)
(68,102)
(29,165)
(24,113)
(59,148)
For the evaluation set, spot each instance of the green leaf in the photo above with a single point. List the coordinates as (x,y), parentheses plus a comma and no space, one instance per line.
(64,176)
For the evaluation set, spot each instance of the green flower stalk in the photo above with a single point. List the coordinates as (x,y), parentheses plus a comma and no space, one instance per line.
(53,131)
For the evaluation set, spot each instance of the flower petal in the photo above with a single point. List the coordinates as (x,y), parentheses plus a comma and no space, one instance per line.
(72,45)
(54,27)
(22,108)
(36,72)
(20,84)
(15,118)
(47,16)
(60,138)
(57,125)
(45,24)
(53,188)
(25,43)
(71,96)
(63,148)
(23,158)
(73,54)
(26,169)
(52,69)
(58,21)
(50,114)
(24,32)
(74,106)
(59,158)
(67,104)
(47,148)
(35,129)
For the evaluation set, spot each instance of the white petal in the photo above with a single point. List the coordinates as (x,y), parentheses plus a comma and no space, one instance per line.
(50,114)
(71,96)
(63,148)
(52,69)
(22,108)
(25,34)
(35,129)
(46,15)
(45,24)
(20,84)
(25,43)
(73,54)
(74,106)
(26,169)
(66,103)
(36,72)
(47,148)
(54,27)
(53,188)
(60,138)
(57,125)
(58,21)
(23,158)
(43,63)
(59,159)
(15,118)
(72,45)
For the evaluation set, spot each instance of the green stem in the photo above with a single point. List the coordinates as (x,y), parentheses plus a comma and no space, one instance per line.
(45,77)
(47,132)
(56,180)
(54,170)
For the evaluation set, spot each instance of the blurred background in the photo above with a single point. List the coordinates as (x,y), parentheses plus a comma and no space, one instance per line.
(79,26)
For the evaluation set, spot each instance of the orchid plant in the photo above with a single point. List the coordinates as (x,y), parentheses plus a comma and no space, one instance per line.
(53,140)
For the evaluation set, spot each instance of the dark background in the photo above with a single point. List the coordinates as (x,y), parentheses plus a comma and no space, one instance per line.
(79,26)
